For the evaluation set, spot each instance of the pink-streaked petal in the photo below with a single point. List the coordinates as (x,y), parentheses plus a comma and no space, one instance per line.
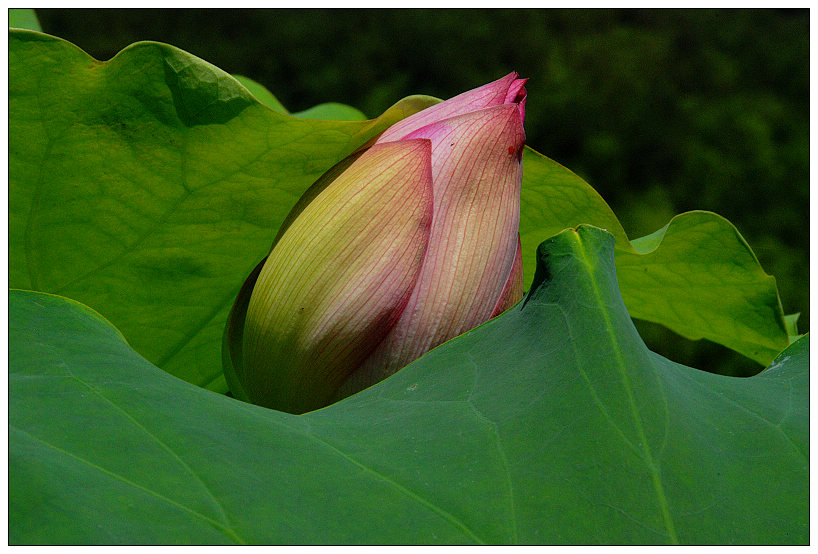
(516,92)
(517,95)
(477,174)
(521,107)
(513,290)
(491,94)
(452,139)
(338,278)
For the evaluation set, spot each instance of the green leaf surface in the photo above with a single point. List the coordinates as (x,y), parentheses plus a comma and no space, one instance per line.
(262,94)
(150,185)
(791,321)
(24,18)
(550,424)
(697,275)
(332,111)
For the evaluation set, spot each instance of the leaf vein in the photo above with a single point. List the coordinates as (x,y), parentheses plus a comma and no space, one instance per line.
(776,426)
(229,532)
(620,363)
(164,445)
(404,490)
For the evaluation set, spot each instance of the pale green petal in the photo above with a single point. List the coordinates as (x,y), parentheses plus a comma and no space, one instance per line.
(339,278)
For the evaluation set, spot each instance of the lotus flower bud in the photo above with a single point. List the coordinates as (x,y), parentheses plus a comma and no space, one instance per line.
(394,251)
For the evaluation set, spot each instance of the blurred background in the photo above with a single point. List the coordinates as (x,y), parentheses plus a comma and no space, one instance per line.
(662,111)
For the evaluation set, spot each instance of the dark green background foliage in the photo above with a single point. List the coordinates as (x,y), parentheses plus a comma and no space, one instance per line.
(661,111)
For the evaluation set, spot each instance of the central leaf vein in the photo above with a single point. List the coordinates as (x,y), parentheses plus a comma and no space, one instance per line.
(623,371)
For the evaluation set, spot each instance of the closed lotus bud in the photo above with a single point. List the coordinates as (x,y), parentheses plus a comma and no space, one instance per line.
(394,251)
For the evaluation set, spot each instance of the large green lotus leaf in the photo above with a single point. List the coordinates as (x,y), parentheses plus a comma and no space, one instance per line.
(552,423)
(696,276)
(149,186)
(699,277)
